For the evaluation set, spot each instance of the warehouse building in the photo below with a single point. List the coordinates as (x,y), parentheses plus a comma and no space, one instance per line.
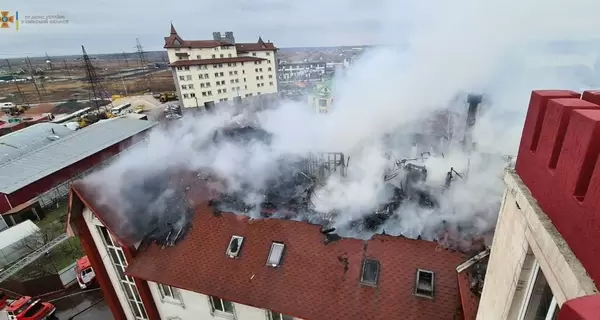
(38,163)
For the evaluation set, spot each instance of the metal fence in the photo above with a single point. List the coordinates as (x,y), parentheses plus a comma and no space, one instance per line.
(68,275)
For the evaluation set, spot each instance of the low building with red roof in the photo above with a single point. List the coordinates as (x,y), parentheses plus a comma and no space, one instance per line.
(233,267)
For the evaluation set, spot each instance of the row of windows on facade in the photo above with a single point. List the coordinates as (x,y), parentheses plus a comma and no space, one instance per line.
(424,280)
(218,306)
(219,74)
(207,84)
(224,90)
(216,66)
(127,283)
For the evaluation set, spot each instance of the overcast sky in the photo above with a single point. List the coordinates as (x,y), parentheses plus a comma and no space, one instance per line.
(105,26)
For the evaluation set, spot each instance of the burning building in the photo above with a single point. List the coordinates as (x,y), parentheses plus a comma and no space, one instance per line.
(163,236)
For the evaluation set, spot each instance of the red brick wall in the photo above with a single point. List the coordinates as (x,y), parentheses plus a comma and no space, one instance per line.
(558,161)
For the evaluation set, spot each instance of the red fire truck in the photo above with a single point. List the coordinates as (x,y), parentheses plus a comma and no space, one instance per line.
(85,274)
(28,308)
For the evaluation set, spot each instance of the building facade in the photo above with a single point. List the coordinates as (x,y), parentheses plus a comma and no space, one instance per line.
(277,270)
(544,257)
(321,98)
(210,71)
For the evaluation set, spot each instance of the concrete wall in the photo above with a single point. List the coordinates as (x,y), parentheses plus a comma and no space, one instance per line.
(558,161)
(197,306)
(524,234)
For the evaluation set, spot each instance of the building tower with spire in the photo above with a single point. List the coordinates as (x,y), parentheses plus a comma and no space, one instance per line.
(217,70)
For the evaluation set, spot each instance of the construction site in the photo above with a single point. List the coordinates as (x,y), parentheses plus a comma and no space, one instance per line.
(76,87)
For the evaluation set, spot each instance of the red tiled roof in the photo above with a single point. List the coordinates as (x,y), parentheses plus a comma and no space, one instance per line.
(206,44)
(259,46)
(182,63)
(469,301)
(314,280)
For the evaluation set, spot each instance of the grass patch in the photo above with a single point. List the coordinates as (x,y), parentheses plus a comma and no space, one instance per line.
(60,257)
(56,214)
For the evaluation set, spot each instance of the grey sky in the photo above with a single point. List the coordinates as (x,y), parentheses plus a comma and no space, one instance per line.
(111,26)
(105,26)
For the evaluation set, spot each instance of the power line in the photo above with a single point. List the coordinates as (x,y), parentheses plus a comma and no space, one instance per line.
(144,64)
(31,72)
(17,83)
(96,90)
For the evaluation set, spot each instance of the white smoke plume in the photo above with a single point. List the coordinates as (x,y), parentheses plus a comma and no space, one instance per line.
(497,48)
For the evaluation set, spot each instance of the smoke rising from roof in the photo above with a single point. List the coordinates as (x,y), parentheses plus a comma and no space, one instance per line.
(390,99)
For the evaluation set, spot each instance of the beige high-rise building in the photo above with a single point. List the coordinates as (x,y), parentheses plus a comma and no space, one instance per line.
(217,70)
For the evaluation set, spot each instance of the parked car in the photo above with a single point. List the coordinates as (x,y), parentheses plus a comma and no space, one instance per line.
(38,310)
(18,306)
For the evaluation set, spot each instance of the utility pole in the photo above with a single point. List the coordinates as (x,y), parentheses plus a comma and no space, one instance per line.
(96,90)
(67,68)
(144,63)
(125,59)
(31,72)
(23,97)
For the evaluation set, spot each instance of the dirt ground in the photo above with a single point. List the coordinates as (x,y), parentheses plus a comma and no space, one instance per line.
(53,91)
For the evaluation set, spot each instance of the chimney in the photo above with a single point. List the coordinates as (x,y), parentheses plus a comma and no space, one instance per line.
(473,101)
(229,37)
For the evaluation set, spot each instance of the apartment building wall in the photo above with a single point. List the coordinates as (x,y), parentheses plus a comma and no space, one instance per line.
(222,81)
(192,305)
(93,224)
(529,260)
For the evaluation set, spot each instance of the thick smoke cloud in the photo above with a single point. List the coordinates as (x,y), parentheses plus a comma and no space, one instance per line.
(391,98)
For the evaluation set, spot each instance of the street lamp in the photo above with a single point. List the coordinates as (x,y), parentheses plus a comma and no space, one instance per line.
(196,101)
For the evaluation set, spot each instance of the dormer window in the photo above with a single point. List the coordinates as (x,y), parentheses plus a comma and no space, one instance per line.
(275,254)
(425,284)
(370,272)
(235,246)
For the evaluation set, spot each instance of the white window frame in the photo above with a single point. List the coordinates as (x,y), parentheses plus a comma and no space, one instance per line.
(419,271)
(169,294)
(221,313)
(279,316)
(127,284)
(529,291)
(241,241)
(273,245)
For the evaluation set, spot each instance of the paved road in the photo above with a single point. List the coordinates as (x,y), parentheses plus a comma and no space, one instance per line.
(71,306)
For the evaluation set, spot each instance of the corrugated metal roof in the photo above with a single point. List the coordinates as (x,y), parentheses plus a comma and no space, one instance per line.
(18,143)
(16,233)
(61,153)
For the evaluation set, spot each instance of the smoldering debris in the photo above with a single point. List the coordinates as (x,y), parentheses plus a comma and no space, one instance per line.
(155,199)
(163,212)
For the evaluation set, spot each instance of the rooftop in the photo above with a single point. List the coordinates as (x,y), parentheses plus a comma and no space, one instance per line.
(312,280)
(63,152)
(175,41)
(18,143)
